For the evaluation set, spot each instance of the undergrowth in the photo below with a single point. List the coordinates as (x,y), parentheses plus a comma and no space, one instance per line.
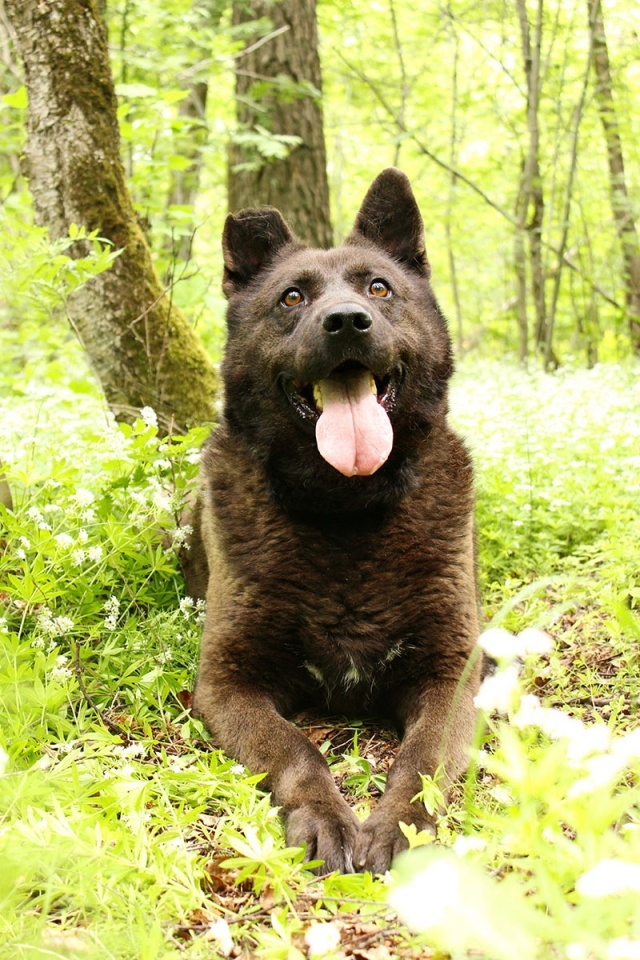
(124,835)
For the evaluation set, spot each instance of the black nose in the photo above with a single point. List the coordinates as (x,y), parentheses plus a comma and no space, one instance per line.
(346,319)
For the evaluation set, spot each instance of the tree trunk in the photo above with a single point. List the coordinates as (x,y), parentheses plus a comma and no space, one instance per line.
(142,348)
(191,140)
(620,200)
(266,97)
(531,194)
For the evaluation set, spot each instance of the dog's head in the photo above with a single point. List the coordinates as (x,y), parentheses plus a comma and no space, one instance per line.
(337,361)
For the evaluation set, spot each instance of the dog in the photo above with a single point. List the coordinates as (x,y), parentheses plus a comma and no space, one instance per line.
(334,532)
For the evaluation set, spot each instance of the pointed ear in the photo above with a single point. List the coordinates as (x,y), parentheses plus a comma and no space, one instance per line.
(389,218)
(250,241)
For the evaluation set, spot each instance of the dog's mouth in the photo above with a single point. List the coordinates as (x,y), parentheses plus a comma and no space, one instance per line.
(350,410)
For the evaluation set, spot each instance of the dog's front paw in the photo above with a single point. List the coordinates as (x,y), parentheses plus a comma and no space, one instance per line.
(380,838)
(328,830)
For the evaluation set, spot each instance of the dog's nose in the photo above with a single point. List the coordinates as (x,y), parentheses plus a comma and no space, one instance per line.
(347,319)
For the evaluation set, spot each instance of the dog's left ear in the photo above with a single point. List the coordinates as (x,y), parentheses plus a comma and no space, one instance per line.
(250,241)
(389,217)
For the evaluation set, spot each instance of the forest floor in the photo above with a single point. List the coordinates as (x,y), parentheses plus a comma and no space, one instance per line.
(124,835)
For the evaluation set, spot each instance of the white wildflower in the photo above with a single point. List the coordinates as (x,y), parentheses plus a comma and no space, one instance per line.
(95,553)
(201,612)
(82,497)
(431,897)
(149,417)
(221,933)
(186,606)
(497,692)
(534,641)
(238,769)
(322,938)
(88,516)
(78,557)
(164,656)
(64,540)
(163,464)
(4,760)
(470,844)
(83,536)
(502,645)
(34,514)
(181,535)
(499,643)
(44,526)
(20,554)
(3,625)
(61,672)
(25,543)
(608,878)
(112,609)
(623,949)
(193,456)
(576,951)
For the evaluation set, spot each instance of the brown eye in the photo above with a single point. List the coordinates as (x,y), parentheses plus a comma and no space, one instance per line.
(292,297)
(379,288)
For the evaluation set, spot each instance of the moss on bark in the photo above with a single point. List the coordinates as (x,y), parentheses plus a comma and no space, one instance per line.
(141,346)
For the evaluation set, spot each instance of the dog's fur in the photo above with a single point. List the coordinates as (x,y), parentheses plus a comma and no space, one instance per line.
(354,594)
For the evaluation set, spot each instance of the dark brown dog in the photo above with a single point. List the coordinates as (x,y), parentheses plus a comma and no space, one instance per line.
(336,518)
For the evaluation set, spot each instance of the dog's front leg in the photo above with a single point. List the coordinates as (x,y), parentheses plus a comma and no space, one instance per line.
(438,723)
(247,725)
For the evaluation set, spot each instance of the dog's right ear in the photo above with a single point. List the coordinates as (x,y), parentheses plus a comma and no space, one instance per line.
(250,241)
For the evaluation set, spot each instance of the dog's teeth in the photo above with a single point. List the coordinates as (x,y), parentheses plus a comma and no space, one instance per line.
(317,396)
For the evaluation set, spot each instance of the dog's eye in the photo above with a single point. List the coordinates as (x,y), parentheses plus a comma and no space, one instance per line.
(379,288)
(291,297)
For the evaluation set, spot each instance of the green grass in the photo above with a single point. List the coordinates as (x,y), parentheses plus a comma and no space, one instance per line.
(123,835)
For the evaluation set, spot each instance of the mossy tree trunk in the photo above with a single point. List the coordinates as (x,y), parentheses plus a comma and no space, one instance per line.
(278,86)
(142,348)
(621,202)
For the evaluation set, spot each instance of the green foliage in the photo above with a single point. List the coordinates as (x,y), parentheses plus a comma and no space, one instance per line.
(123,834)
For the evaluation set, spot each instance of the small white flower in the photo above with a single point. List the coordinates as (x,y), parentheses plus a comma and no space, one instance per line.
(322,938)
(499,643)
(430,897)
(112,609)
(186,606)
(83,536)
(163,464)
(64,540)
(623,949)
(95,553)
(181,535)
(193,457)
(534,641)
(88,516)
(497,692)
(4,760)
(34,514)
(609,877)
(3,625)
(25,543)
(78,557)
(220,931)
(20,554)
(149,417)
(463,845)
(83,498)
(238,769)
(60,674)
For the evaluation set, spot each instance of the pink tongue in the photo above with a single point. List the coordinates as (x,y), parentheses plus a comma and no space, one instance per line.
(354,433)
